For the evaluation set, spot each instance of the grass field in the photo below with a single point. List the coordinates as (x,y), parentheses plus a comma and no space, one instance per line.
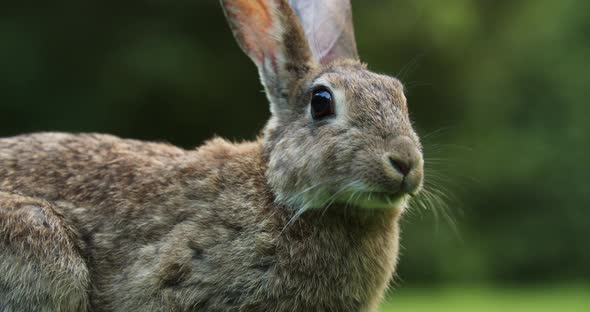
(485,299)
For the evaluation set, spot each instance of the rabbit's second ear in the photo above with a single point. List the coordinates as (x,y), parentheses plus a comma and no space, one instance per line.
(328,28)
(269,32)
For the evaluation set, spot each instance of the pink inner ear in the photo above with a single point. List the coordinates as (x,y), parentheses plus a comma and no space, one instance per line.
(328,28)
(252,23)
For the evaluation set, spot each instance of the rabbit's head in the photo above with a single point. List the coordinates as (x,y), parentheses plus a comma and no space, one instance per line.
(338,132)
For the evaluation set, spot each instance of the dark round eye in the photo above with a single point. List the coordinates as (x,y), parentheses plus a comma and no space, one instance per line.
(322,103)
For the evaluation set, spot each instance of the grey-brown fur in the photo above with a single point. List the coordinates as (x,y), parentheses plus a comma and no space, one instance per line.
(92,222)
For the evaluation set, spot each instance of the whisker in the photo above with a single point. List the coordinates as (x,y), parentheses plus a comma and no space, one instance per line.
(410,66)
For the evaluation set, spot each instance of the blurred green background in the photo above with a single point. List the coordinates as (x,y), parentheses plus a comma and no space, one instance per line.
(497,89)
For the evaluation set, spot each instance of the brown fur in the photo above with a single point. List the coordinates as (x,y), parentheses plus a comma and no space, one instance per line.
(92,222)
(183,229)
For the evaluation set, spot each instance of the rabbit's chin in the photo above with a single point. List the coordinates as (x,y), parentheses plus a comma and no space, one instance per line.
(376,200)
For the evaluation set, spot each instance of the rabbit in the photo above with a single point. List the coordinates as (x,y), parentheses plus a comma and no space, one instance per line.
(303,218)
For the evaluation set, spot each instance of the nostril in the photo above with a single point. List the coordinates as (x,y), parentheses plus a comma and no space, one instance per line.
(399,165)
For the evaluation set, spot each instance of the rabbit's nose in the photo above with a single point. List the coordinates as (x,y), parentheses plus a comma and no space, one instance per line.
(404,166)
(400,165)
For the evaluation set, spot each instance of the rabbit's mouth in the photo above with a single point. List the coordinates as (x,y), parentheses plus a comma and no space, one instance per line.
(375,200)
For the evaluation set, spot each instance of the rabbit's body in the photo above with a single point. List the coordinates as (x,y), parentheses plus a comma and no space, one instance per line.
(154,227)
(303,219)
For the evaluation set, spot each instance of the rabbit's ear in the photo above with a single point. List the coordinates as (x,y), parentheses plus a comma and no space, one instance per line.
(328,28)
(269,32)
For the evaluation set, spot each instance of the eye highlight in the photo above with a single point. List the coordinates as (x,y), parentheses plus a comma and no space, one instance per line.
(322,103)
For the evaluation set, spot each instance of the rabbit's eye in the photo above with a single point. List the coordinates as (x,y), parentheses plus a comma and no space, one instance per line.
(322,103)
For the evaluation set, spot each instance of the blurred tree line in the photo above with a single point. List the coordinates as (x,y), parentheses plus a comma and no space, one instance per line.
(498,90)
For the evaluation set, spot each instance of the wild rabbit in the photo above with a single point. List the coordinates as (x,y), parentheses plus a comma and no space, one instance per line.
(305,218)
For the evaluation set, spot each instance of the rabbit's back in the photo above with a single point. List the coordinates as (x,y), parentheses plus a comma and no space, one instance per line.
(140,213)
(64,201)
(86,167)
